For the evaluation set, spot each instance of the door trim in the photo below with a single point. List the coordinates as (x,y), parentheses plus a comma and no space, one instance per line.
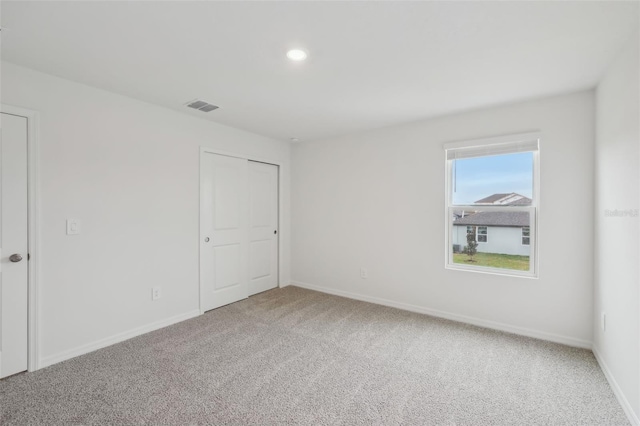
(208,150)
(33,229)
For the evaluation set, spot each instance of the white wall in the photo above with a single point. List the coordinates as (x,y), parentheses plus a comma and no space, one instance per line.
(129,171)
(617,248)
(500,239)
(376,200)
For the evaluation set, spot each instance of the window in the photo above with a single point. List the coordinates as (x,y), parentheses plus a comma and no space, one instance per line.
(482,234)
(492,188)
(479,233)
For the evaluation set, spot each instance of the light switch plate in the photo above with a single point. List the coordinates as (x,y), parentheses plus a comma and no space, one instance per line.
(73,227)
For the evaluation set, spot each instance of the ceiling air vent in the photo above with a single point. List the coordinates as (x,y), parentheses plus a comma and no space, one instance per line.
(202,105)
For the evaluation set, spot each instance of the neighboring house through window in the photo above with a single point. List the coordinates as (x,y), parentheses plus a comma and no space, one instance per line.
(492,192)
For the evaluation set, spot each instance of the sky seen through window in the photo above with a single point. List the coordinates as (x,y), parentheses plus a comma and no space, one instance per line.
(479,177)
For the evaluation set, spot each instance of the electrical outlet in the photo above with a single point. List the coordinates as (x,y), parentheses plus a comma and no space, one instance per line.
(603,321)
(73,226)
(156,293)
(364,274)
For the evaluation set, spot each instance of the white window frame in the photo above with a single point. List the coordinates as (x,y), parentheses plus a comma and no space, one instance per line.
(494,146)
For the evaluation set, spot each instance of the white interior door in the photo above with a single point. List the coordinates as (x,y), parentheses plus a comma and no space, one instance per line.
(13,245)
(224,225)
(263,227)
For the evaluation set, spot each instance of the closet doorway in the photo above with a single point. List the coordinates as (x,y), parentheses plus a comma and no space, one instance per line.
(239,238)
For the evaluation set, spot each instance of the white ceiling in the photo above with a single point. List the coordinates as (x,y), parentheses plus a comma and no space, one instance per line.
(371,64)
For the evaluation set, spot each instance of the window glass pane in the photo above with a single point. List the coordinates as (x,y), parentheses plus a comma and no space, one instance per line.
(493,180)
(493,239)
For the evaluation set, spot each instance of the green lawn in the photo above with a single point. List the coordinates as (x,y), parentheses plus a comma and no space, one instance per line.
(505,261)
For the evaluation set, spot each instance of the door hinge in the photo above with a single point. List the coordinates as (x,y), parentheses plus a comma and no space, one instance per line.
(28,257)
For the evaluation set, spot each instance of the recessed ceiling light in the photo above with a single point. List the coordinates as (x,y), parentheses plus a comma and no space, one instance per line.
(295,140)
(297,55)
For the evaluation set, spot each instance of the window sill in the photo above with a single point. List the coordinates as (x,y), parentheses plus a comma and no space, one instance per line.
(492,271)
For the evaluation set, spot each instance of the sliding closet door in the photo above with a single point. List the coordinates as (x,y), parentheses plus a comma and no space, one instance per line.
(224,239)
(238,229)
(14,243)
(263,227)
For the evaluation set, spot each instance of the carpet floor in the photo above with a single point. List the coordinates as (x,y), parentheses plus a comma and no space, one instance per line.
(295,356)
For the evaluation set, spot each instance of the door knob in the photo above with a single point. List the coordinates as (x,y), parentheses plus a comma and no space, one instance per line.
(15,258)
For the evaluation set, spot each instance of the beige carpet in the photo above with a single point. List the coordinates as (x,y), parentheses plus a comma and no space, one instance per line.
(294,356)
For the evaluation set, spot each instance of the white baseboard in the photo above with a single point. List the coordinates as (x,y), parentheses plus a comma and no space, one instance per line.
(117,338)
(622,399)
(565,340)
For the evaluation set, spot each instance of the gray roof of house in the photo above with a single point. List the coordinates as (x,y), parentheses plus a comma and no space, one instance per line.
(518,219)
(491,199)
(525,201)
